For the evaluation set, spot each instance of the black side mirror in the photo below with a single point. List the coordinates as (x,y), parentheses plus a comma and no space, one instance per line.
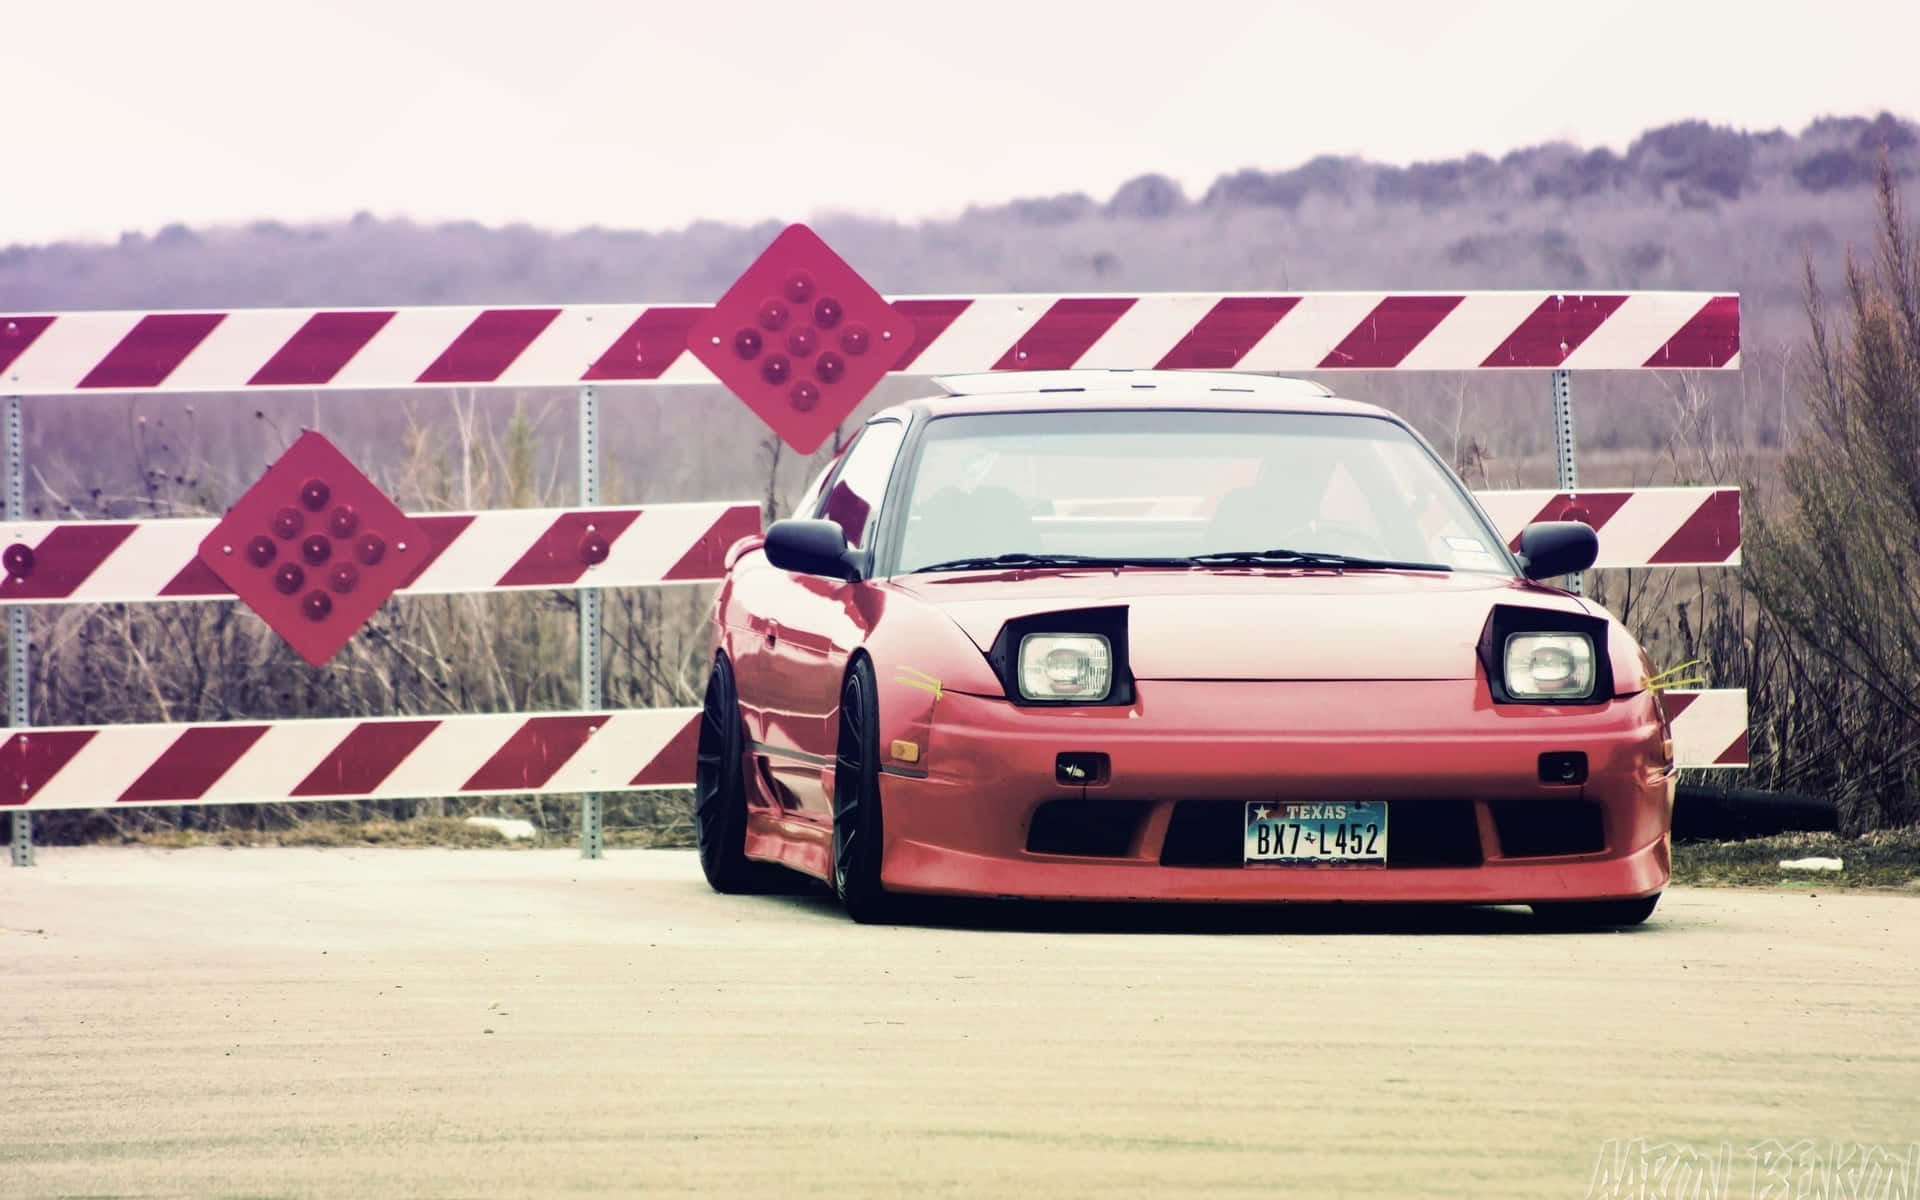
(812,548)
(1549,548)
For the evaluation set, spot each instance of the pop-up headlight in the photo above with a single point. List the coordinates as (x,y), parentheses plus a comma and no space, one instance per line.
(1549,666)
(1065,666)
(1545,656)
(1074,657)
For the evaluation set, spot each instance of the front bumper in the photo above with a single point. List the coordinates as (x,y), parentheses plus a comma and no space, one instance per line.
(1469,818)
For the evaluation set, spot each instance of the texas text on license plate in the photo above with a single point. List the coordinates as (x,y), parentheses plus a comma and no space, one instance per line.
(1317,832)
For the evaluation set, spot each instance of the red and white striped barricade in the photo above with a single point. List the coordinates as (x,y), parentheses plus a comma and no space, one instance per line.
(347,758)
(1638,527)
(499,550)
(50,354)
(595,345)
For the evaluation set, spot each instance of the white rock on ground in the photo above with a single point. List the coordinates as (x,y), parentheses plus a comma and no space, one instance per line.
(1810,864)
(511,828)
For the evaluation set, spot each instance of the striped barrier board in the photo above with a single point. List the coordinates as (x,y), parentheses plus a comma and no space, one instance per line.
(573,345)
(262,762)
(1638,527)
(349,758)
(1709,726)
(77,562)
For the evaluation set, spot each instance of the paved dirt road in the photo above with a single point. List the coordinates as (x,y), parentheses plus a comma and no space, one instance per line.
(373,1023)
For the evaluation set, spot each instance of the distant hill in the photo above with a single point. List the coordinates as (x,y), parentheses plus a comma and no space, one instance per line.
(1689,205)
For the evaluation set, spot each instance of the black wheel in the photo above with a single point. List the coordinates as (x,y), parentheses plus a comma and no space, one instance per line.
(720,790)
(1596,914)
(856,801)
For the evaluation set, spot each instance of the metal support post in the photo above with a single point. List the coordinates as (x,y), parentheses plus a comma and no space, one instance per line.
(19,695)
(1565,478)
(591,690)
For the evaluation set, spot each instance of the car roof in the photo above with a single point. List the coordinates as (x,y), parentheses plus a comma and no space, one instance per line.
(1052,391)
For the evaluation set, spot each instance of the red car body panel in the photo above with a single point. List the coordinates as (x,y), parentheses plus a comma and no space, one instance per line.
(1348,713)
(1318,624)
(963,828)
(1251,684)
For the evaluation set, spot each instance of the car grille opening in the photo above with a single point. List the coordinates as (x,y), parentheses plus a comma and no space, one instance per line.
(1432,833)
(1420,833)
(1547,828)
(1205,833)
(1087,828)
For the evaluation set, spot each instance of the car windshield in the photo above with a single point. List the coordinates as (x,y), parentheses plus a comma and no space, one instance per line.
(1222,488)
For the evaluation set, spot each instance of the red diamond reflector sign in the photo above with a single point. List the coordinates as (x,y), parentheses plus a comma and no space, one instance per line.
(801,338)
(314,548)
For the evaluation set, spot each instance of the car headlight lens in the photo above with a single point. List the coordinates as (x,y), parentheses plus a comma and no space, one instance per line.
(1065,666)
(1550,666)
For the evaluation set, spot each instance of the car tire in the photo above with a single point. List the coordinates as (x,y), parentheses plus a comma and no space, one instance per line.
(720,791)
(856,801)
(1596,914)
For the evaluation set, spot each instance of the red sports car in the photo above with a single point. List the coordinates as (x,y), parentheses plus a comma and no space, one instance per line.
(1173,636)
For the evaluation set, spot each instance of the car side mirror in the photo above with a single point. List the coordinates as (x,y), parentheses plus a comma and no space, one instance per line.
(1549,548)
(812,547)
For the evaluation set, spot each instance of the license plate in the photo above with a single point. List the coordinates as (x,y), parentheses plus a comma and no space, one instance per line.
(1317,832)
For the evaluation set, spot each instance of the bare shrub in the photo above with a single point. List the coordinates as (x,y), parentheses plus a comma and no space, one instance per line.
(1838,566)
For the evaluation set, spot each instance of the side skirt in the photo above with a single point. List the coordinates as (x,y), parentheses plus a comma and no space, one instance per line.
(793,842)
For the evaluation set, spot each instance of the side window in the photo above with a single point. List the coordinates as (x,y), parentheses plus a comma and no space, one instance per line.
(809,504)
(855,494)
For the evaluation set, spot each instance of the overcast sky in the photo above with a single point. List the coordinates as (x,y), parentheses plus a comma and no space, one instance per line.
(129,114)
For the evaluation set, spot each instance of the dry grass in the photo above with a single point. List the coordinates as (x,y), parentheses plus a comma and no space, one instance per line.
(379,831)
(1885,858)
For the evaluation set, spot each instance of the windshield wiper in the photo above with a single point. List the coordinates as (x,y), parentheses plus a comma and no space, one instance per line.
(1020,558)
(1289,558)
(1310,558)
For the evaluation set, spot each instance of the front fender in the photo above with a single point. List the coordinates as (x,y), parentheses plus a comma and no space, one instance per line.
(919,655)
(1631,666)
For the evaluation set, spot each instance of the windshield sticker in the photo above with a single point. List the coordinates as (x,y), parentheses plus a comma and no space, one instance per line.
(1467,545)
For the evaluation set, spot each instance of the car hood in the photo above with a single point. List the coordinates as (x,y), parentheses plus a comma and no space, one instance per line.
(1256,624)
